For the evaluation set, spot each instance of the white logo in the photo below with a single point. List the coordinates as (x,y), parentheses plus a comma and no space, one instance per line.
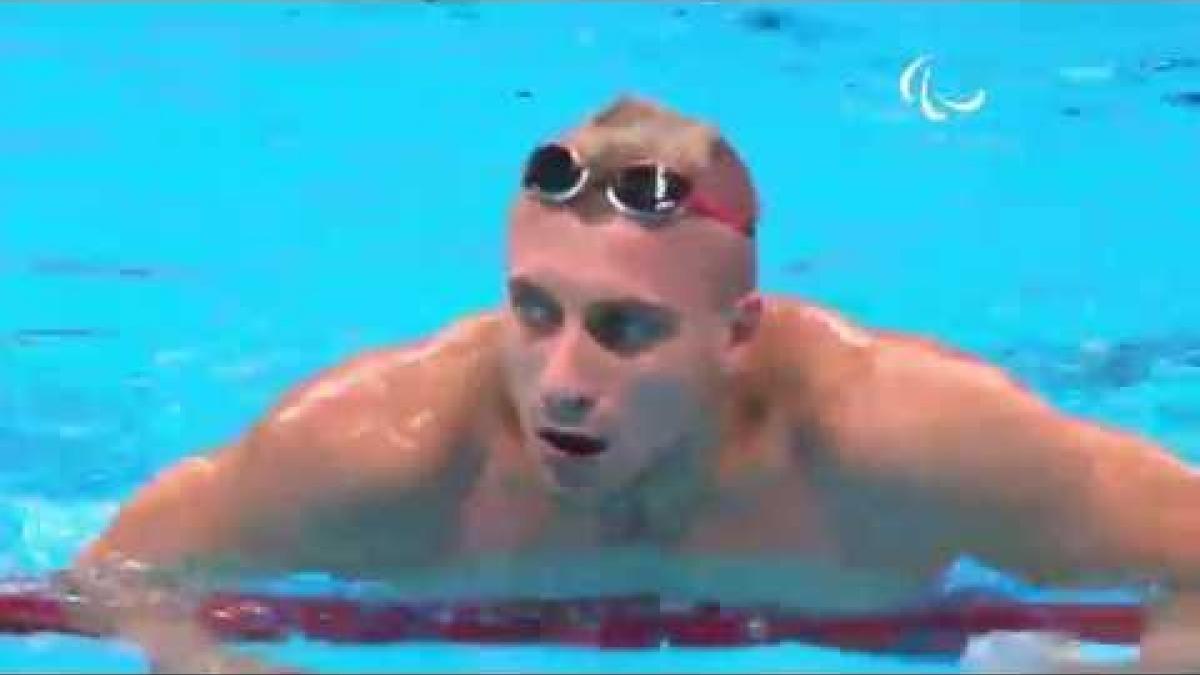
(932,106)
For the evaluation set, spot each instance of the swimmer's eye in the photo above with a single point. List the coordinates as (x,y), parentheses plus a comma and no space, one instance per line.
(628,328)
(535,309)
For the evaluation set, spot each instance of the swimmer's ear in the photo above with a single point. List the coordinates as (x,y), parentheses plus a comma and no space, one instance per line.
(747,315)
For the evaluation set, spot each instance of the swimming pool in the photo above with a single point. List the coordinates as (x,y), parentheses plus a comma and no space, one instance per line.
(201,204)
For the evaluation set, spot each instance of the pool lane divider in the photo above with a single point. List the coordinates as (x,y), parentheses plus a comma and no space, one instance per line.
(636,622)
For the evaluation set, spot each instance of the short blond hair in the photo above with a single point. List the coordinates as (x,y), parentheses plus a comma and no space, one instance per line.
(633,127)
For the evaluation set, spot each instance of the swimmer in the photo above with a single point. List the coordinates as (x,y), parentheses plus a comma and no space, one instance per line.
(637,416)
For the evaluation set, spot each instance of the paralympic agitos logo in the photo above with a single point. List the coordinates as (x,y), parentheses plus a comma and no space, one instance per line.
(933,107)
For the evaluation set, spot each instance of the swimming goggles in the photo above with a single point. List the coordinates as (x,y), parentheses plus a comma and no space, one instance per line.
(649,192)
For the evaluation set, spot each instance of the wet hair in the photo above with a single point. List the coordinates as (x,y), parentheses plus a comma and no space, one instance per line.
(633,129)
(632,125)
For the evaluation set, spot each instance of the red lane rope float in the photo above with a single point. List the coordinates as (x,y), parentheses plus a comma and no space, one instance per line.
(612,623)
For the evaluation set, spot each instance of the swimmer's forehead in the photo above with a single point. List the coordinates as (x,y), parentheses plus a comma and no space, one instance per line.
(687,148)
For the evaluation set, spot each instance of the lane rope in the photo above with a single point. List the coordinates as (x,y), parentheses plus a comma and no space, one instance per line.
(638,622)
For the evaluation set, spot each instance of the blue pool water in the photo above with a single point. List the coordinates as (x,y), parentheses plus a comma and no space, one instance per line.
(201,204)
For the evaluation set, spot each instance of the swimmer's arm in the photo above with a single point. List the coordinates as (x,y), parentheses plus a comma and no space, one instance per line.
(368,439)
(1134,517)
(243,511)
(187,512)
(1053,497)
(190,509)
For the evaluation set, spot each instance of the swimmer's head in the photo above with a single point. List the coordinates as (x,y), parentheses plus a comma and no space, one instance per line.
(631,292)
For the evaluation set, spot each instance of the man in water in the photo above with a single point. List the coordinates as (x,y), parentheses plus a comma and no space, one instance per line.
(637,417)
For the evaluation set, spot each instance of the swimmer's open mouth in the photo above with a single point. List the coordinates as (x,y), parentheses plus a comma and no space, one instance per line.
(578,445)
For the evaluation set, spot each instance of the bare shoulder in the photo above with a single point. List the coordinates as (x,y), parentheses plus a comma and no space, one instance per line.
(919,385)
(792,318)
(382,414)
(974,461)
(808,325)
(875,388)
(809,350)
(355,450)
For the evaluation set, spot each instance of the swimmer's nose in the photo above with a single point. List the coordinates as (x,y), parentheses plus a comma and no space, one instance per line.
(569,374)
(567,408)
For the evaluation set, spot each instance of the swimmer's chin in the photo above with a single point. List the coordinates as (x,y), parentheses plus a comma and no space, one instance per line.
(571,479)
(568,476)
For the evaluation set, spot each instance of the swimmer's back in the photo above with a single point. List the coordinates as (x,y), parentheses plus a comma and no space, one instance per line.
(386,435)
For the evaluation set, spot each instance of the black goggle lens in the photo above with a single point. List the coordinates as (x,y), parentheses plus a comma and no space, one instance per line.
(646,190)
(650,189)
(553,171)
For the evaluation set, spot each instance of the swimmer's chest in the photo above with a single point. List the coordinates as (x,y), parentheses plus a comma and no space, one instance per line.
(771,534)
(769,537)
(808,584)
(772,544)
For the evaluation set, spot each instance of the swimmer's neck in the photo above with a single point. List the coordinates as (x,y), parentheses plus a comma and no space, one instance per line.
(655,510)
